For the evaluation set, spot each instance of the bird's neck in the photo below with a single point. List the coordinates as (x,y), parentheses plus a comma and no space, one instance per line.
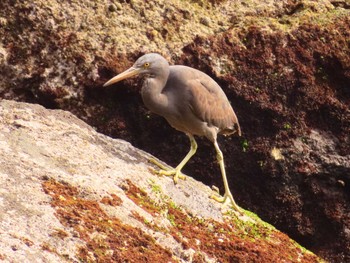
(153,96)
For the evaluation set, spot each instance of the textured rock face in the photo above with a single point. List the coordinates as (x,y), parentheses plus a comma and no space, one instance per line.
(283,64)
(71,194)
(291,89)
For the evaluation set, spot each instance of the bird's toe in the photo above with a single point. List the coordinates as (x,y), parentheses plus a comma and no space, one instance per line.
(158,163)
(215,190)
(178,175)
(172,172)
(166,172)
(217,197)
(227,202)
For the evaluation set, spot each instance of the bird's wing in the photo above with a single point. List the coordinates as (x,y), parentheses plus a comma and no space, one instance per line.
(209,103)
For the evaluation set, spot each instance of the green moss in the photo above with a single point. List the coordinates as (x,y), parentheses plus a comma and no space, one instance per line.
(254,229)
(171,219)
(156,188)
(244,145)
(287,126)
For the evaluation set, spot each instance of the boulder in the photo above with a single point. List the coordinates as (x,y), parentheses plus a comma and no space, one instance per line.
(284,66)
(69,194)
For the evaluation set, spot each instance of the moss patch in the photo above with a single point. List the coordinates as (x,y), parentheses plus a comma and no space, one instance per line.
(107,238)
(231,241)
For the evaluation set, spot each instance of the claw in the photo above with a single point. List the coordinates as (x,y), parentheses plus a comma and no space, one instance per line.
(167,171)
(215,189)
(178,175)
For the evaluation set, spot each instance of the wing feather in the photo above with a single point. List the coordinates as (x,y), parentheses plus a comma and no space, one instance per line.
(210,104)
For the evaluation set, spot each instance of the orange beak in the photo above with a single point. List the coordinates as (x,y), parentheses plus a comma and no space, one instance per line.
(124,75)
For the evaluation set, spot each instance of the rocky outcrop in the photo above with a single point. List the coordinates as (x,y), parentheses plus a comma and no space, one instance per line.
(283,64)
(71,194)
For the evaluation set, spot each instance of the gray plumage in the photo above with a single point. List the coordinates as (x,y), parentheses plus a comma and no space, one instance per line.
(190,100)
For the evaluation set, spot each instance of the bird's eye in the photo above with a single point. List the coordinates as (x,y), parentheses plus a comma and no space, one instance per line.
(146,65)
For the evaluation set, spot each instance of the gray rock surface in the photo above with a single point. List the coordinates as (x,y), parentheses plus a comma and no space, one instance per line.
(37,144)
(42,149)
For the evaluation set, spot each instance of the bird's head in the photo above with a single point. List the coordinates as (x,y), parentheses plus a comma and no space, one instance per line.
(149,64)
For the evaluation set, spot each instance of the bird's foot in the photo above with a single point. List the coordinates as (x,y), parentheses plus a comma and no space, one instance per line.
(167,171)
(227,201)
(173,172)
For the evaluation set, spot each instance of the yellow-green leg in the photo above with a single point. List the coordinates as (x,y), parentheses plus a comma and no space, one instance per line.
(177,171)
(227,198)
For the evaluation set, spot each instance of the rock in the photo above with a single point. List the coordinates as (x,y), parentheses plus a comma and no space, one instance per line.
(205,21)
(283,64)
(69,193)
(279,111)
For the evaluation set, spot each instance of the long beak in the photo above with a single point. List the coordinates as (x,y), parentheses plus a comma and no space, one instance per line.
(126,74)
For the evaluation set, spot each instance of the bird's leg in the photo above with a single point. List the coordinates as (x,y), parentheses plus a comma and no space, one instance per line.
(177,171)
(227,198)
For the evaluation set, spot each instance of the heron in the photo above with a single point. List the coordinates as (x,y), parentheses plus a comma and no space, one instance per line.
(192,102)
